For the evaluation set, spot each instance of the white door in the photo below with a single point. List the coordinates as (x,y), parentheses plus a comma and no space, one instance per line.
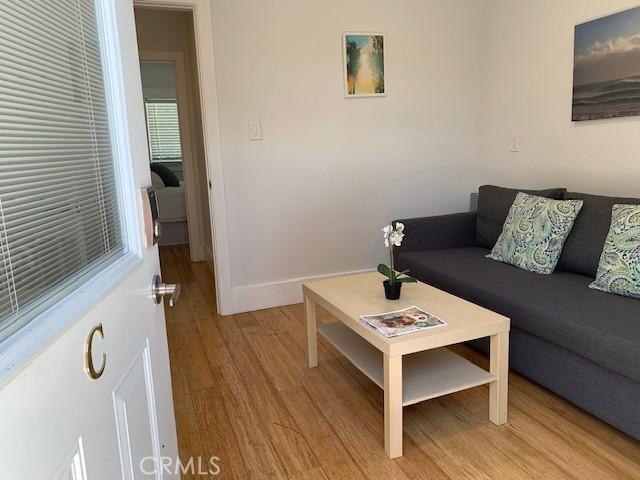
(56,421)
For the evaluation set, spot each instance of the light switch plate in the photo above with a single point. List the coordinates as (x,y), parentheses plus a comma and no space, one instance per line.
(255,130)
(515,143)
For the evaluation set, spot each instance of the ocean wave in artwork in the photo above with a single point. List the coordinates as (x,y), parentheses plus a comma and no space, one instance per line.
(609,99)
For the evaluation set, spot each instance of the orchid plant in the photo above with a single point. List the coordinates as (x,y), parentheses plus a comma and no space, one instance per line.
(393,238)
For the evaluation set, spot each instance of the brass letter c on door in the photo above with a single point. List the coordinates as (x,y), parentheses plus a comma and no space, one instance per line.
(88,357)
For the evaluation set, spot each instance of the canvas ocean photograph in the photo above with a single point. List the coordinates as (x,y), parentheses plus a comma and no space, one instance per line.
(364,62)
(606,74)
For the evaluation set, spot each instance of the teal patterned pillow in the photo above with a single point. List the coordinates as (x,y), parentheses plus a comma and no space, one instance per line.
(619,270)
(535,231)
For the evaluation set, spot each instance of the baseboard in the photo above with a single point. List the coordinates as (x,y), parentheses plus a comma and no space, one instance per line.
(259,296)
(172,243)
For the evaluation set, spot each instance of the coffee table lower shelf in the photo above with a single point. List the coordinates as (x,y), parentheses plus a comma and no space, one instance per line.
(425,375)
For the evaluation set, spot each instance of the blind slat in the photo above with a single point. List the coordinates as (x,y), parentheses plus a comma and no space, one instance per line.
(59,213)
(163,128)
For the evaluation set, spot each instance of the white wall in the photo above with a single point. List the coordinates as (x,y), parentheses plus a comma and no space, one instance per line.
(528,83)
(311,198)
(158,80)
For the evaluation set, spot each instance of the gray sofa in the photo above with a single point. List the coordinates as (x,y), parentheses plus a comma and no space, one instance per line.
(580,343)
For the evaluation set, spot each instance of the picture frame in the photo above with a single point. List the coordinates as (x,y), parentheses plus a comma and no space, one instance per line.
(364,64)
(606,67)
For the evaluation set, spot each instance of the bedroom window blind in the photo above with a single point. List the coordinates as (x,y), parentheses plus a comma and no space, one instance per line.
(163,129)
(59,215)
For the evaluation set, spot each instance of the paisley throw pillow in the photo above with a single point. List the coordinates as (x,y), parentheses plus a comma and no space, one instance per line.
(535,231)
(619,269)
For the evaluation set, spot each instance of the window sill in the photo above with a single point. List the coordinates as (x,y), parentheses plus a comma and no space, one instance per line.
(17,351)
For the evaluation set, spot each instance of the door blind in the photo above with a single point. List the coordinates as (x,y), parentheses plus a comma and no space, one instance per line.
(59,215)
(164,131)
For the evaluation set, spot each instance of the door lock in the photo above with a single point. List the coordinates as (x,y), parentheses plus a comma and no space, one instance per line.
(159,290)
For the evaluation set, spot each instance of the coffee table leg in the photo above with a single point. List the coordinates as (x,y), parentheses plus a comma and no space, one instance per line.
(393,406)
(312,334)
(500,368)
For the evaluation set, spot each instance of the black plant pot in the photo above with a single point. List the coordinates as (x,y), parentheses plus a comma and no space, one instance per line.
(392,292)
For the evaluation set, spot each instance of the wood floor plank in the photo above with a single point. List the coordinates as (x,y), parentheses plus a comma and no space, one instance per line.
(577,456)
(247,322)
(182,401)
(600,434)
(275,360)
(216,433)
(270,321)
(281,428)
(330,451)
(473,443)
(315,474)
(259,455)
(258,452)
(364,447)
(190,447)
(242,391)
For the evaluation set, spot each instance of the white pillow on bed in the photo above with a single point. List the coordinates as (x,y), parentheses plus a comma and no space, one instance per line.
(156,181)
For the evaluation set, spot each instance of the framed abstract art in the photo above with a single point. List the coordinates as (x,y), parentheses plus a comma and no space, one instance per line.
(364,65)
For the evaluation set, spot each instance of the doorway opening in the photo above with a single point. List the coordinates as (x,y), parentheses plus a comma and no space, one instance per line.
(171,91)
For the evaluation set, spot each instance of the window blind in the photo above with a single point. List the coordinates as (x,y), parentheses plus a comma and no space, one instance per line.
(59,215)
(163,129)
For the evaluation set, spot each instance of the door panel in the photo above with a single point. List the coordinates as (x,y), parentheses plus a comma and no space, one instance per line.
(136,419)
(76,468)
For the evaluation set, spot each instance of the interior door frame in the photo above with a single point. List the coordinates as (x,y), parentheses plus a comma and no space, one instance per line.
(193,184)
(203,30)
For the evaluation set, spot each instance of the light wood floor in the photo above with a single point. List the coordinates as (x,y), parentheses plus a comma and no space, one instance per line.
(243,393)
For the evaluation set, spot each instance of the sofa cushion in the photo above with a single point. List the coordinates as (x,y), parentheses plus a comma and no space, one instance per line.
(559,308)
(583,248)
(619,269)
(493,207)
(534,232)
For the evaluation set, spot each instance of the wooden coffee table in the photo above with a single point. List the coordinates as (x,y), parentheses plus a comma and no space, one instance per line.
(414,367)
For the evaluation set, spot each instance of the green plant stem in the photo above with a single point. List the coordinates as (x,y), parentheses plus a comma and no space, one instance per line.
(392,278)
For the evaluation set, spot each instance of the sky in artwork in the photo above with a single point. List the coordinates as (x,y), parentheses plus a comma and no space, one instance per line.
(608,48)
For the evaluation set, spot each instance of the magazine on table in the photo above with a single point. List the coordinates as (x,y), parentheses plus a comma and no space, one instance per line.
(402,322)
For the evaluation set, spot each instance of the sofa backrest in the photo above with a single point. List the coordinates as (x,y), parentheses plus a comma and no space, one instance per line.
(493,207)
(583,248)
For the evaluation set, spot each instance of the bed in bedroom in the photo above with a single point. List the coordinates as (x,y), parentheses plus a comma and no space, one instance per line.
(172,207)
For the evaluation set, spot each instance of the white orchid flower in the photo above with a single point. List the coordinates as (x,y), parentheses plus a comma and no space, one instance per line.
(396,238)
(398,234)
(387,231)
(393,236)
